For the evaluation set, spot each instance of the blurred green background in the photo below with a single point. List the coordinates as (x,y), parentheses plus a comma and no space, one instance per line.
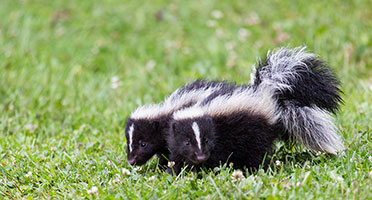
(72,71)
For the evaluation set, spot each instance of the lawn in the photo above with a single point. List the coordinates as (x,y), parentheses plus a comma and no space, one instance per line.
(72,71)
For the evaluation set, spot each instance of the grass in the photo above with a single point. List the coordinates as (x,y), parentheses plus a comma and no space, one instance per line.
(72,71)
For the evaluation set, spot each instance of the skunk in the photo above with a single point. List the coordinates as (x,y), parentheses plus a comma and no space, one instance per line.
(237,127)
(291,93)
(146,126)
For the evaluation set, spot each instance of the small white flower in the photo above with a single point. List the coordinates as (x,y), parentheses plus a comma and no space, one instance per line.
(307,167)
(150,64)
(258,44)
(335,176)
(114,79)
(277,163)
(219,32)
(109,163)
(243,34)
(370,87)
(115,180)
(231,60)
(237,175)
(93,167)
(253,19)
(28,174)
(60,30)
(231,164)
(211,23)
(370,174)
(281,37)
(31,127)
(230,46)
(171,164)
(151,178)
(370,158)
(217,14)
(53,148)
(125,172)
(137,169)
(298,184)
(290,184)
(115,85)
(93,190)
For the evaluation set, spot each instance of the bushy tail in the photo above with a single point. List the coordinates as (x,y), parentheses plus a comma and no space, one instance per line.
(307,93)
(313,127)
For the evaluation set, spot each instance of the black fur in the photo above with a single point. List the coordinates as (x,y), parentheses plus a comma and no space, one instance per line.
(241,138)
(149,134)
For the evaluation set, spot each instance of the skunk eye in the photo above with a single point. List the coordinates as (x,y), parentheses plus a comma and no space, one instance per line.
(143,144)
(187,143)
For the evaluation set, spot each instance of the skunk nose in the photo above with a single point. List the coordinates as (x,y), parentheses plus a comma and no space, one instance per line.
(132,161)
(201,157)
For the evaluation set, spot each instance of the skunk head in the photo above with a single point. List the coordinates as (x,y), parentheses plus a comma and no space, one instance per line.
(191,138)
(143,140)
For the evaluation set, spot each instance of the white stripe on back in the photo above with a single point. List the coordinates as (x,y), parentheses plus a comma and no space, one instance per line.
(261,102)
(195,127)
(130,132)
(174,102)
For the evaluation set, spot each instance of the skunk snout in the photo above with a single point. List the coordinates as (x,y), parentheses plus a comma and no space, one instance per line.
(132,161)
(201,157)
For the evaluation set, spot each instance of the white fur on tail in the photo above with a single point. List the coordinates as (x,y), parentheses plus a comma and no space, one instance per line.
(314,128)
(281,71)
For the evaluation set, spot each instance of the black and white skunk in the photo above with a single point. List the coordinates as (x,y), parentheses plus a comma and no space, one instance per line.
(146,126)
(292,93)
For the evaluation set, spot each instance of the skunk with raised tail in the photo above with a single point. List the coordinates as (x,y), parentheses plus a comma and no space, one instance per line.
(293,93)
(147,125)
